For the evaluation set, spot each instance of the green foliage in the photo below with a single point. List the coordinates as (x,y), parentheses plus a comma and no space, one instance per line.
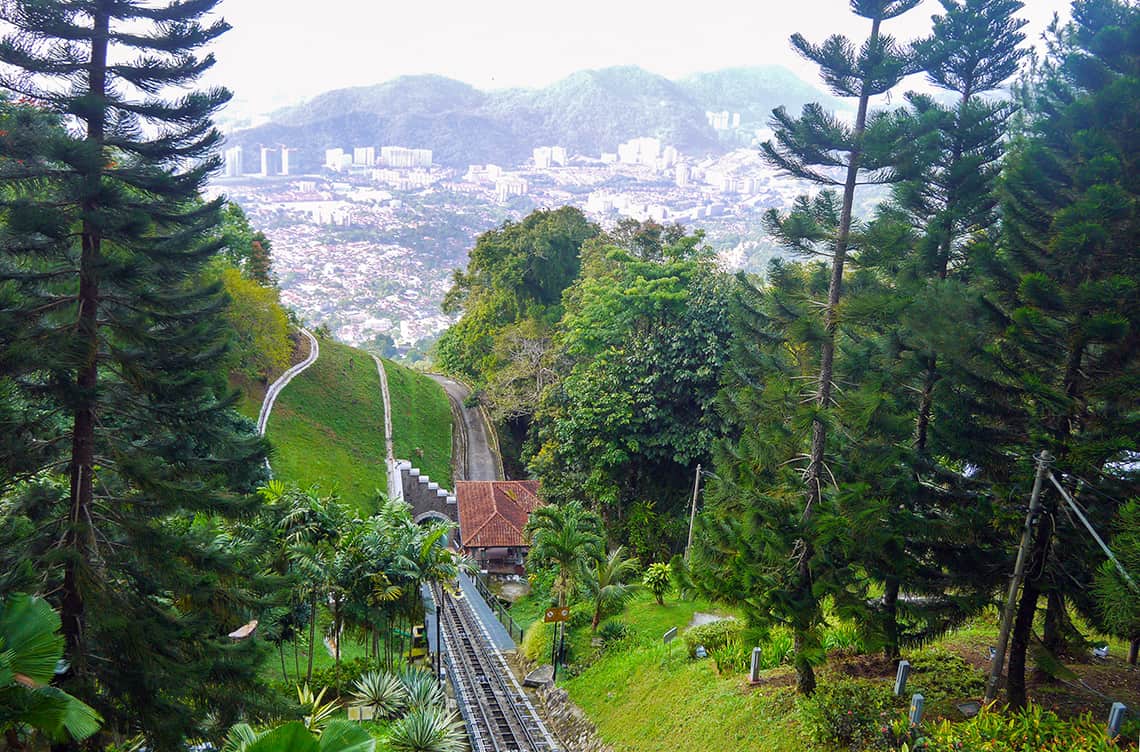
(318,712)
(516,273)
(713,635)
(30,649)
(338,736)
(261,329)
(567,537)
(658,579)
(641,347)
(430,729)
(381,691)
(613,631)
(1117,601)
(422,691)
(847,712)
(112,347)
(939,674)
(1030,729)
(606,583)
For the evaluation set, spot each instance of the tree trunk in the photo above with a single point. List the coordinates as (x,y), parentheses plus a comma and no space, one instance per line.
(1026,610)
(805,675)
(1019,645)
(281,653)
(312,638)
(813,479)
(82,488)
(1056,631)
(891,619)
(1133,651)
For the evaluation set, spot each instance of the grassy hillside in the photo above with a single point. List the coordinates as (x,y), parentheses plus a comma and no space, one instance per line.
(421,422)
(327,426)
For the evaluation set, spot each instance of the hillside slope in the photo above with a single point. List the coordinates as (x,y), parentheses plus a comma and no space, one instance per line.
(327,427)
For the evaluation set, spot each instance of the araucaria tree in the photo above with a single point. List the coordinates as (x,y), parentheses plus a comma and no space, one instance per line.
(819,147)
(110,349)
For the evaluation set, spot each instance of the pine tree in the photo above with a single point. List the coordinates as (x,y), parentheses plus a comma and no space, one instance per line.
(819,147)
(1065,287)
(920,247)
(113,351)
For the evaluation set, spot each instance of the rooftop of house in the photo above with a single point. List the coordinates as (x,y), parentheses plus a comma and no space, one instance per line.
(494,513)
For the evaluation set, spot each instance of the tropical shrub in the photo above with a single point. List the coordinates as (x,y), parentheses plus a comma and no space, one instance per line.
(659,579)
(713,635)
(427,730)
(422,691)
(338,736)
(1032,729)
(30,649)
(381,691)
(613,631)
(846,712)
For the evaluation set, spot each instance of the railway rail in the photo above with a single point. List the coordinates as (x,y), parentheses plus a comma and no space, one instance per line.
(499,716)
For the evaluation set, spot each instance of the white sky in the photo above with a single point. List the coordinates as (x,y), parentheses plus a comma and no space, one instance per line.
(282,51)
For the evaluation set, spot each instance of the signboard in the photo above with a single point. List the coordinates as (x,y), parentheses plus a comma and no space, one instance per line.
(557,614)
(669,636)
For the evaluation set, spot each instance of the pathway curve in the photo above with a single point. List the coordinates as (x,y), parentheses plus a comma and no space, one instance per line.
(283,381)
(395,490)
(475,438)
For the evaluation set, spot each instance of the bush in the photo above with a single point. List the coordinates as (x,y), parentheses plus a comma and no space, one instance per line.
(713,636)
(847,712)
(941,675)
(612,631)
(536,642)
(659,580)
(1029,730)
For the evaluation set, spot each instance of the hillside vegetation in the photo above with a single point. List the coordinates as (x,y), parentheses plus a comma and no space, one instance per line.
(327,427)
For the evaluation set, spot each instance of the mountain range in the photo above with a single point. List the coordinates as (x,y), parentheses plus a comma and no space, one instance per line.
(587,112)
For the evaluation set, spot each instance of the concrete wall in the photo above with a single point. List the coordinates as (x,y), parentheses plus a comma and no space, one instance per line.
(424,495)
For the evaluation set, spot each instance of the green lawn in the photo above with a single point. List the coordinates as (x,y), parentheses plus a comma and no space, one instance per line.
(327,427)
(648,696)
(421,422)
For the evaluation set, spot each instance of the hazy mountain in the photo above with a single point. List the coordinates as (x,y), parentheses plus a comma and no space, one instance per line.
(588,112)
(754,92)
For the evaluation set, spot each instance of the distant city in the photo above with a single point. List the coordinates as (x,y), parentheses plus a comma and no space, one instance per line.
(367,245)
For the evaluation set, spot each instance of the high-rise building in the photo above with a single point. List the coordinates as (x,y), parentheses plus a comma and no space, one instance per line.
(364,156)
(234,164)
(542,157)
(333,158)
(681,175)
(558,155)
(510,186)
(269,161)
(287,159)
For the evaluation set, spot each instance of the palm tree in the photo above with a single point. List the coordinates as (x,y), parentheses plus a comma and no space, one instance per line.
(606,582)
(30,649)
(566,536)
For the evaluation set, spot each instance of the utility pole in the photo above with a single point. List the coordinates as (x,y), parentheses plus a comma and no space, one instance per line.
(1043,460)
(693,511)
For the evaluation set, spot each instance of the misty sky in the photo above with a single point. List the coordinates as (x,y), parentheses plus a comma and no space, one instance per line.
(281,51)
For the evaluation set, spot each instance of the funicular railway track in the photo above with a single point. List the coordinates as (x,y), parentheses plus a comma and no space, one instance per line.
(498,715)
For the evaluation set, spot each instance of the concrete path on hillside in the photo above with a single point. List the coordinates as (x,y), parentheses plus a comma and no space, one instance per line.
(395,490)
(475,438)
(283,381)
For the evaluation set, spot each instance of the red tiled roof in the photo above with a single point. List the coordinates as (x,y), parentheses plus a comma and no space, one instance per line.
(494,512)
